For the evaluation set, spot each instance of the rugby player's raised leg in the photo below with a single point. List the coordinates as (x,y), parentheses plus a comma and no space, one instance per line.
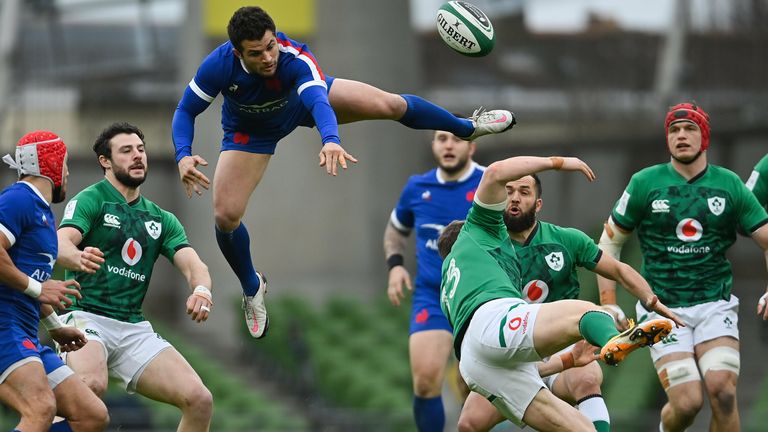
(169,378)
(237,175)
(26,390)
(564,322)
(355,101)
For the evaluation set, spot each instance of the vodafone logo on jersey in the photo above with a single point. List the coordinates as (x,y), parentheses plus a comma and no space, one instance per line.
(689,230)
(535,291)
(131,252)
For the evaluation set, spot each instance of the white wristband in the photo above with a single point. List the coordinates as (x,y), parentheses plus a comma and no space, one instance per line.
(763,299)
(52,322)
(34,288)
(202,290)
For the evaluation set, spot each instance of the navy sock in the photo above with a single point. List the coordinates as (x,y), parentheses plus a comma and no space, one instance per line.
(236,247)
(62,426)
(423,114)
(429,414)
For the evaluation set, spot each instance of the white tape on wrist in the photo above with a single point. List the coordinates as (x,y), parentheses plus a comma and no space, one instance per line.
(204,292)
(34,288)
(202,289)
(763,299)
(620,316)
(52,322)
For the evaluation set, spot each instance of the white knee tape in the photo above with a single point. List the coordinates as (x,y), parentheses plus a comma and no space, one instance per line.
(720,358)
(679,372)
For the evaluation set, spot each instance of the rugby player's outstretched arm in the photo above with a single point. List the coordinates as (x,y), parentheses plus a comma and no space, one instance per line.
(609,267)
(88,260)
(492,187)
(611,242)
(183,133)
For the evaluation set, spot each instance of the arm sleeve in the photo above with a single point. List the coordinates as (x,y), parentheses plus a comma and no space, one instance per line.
(629,208)
(751,214)
(183,125)
(174,237)
(402,216)
(13,215)
(485,223)
(585,252)
(81,213)
(305,73)
(758,182)
(201,91)
(315,99)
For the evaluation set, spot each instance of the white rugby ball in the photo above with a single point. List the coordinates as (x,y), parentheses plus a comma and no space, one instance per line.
(465,28)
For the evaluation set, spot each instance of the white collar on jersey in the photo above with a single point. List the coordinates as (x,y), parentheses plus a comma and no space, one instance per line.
(35,190)
(242,63)
(472,167)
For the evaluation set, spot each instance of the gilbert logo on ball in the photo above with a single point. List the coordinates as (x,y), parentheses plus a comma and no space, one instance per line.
(465,28)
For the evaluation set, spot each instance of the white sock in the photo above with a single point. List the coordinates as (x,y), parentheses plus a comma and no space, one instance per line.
(593,407)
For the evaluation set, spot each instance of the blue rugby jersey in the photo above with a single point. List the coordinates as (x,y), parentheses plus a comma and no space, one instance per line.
(429,203)
(27,221)
(253,103)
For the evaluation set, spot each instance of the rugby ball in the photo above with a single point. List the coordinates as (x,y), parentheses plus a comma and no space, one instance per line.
(465,28)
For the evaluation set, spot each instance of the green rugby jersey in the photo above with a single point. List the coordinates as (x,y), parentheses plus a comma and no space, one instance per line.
(482,266)
(685,228)
(132,237)
(758,181)
(548,261)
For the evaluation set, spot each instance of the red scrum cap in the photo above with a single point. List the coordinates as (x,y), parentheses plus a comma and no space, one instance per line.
(40,153)
(691,113)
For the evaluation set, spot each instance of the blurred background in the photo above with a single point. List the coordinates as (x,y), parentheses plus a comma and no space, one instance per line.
(589,78)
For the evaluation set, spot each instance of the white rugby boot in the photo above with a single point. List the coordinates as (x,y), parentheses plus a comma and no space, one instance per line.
(490,122)
(256,310)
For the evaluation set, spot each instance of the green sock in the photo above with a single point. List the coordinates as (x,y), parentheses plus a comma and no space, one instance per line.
(602,426)
(597,327)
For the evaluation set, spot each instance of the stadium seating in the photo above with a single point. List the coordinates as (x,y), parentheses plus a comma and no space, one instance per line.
(353,355)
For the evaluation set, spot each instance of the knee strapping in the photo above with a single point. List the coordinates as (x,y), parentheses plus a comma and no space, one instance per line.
(678,372)
(720,358)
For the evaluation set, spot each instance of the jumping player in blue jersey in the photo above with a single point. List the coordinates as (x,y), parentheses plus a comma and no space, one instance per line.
(428,203)
(272,84)
(33,379)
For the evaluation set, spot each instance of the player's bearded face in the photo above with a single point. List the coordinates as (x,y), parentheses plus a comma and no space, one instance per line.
(684,141)
(260,56)
(522,202)
(451,152)
(128,160)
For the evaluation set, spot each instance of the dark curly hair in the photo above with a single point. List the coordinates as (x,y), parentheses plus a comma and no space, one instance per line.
(102,147)
(448,237)
(248,23)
